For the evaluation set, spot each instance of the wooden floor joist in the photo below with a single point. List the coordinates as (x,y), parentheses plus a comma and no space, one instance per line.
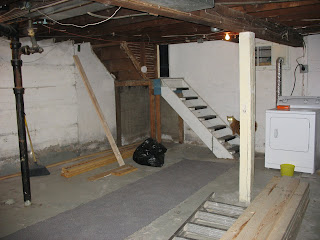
(276,213)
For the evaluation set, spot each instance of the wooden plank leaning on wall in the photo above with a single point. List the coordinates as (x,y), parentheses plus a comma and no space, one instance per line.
(99,111)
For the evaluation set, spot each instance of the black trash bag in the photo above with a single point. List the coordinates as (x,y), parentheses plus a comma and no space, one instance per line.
(150,153)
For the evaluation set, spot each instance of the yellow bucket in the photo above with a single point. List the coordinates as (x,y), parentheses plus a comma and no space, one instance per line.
(287,169)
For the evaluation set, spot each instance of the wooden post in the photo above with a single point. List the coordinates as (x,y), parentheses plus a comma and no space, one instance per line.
(181,125)
(247,114)
(158,97)
(118,113)
(99,112)
(152,115)
(158,117)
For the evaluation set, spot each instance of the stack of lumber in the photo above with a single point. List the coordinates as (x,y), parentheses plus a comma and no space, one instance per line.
(105,158)
(276,213)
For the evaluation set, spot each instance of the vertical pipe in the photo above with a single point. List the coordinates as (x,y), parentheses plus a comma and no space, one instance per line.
(279,63)
(19,91)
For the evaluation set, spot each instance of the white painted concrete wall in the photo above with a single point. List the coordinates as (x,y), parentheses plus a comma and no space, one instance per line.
(58,109)
(212,69)
(313,61)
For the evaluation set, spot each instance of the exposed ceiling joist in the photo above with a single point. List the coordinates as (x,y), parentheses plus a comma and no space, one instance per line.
(221,17)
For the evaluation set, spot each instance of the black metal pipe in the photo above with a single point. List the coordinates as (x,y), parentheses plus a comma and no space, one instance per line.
(19,91)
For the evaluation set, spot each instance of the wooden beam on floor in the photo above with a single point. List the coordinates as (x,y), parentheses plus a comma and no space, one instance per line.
(99,111)
(247,114)
(276,213)
(221,17)
(94,163)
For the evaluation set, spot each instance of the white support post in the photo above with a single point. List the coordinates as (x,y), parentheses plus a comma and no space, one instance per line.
(247,114)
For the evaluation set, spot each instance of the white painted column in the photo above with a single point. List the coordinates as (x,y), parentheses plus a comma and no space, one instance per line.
(247,114)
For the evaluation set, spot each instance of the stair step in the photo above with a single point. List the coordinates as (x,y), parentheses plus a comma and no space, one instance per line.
(234,149)
(217,127)
(188,98)
(205,231)
(207,117)
(197,107)
(178,89)
(214,220)
(223,209)
(226,138)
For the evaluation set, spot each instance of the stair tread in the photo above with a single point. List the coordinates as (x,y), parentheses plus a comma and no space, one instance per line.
(181,88)
(227,138)
(189,98)
(234,148)
(207,117)
(217,127)
(198,107)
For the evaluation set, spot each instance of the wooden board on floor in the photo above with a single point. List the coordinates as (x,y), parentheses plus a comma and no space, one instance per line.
(117,172)
(123,171)
(92,164)
(276,213)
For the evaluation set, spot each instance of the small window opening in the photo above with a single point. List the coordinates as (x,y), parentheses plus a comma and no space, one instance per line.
(263,56)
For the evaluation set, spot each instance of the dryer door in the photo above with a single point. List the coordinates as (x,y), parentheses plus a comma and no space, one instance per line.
(289,134)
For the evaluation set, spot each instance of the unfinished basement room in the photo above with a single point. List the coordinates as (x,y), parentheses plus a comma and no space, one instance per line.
(121,119)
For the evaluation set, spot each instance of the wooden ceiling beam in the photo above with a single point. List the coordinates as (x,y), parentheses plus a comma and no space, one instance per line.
(221,17)
(273,6)
(301,11)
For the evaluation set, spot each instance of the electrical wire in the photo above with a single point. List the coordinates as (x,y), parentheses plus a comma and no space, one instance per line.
(298,64)
(78,26)
(295,78)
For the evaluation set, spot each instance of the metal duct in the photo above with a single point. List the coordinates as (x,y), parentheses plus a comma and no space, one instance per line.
(279,63)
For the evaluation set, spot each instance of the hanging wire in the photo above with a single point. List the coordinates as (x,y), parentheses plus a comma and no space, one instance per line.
(298,64)
(78,26)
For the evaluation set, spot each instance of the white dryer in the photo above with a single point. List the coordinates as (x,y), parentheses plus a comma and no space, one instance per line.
(293,136)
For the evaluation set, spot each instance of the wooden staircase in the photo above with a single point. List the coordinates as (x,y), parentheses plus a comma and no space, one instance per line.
(201,118)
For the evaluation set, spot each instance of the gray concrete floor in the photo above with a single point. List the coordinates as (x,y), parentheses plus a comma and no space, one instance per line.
(54,194)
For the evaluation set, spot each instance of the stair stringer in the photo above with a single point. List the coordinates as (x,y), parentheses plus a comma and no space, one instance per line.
(204,134)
